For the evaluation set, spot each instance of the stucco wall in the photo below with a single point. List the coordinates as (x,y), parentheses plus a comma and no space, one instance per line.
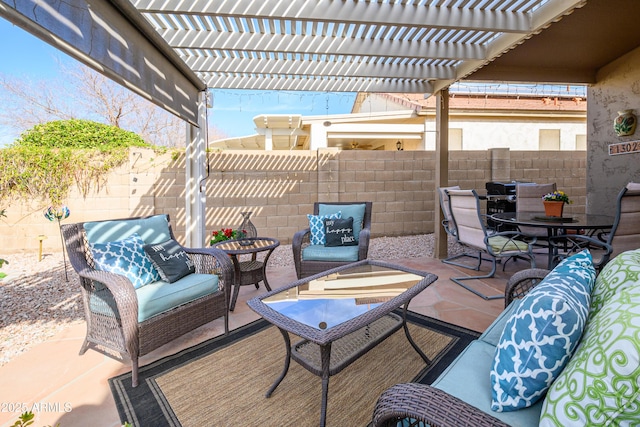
(618,88)
(281,187)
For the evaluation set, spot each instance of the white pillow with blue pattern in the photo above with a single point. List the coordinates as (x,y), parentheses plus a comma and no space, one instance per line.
(127,258)
(542,334)
(316,226)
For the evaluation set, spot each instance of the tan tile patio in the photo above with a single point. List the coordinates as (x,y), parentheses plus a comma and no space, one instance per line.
(73,390)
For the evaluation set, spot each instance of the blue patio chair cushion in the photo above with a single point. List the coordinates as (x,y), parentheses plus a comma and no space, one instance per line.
(154,229)
(332,253)
(127,258)
(355,210)
(542,334)
(158,297)
(316,227)
(466,379)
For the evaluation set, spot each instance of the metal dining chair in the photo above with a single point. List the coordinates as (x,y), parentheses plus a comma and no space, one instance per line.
(529,199)
(473,234)
(625,233)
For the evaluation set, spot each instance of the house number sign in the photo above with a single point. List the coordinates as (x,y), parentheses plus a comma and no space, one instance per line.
(624,148)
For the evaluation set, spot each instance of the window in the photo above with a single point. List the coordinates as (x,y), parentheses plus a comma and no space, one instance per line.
(549,139)
(455,139)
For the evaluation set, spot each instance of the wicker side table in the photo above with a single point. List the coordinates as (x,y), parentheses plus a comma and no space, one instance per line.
(248,272)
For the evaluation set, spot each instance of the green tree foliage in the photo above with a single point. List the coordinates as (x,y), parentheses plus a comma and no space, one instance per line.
(47,159)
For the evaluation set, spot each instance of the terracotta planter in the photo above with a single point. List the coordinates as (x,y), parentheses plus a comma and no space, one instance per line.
(552,208)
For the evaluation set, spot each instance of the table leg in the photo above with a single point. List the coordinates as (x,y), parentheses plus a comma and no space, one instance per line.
(264,270)
(236,285)
(287,362)
(406,332)
(550,234)
(325,355)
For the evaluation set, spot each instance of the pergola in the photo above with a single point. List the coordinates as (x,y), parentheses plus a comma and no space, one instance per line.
(172,51)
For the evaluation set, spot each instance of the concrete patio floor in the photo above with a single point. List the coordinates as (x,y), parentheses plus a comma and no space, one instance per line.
(63,387)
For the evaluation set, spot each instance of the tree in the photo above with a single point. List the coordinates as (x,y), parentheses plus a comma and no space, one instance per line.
(85,94)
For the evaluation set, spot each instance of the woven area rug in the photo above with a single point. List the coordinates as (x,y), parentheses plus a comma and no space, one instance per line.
(222,382)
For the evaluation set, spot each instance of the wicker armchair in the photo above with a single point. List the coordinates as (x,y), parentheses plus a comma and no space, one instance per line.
(121,333)
(301,240)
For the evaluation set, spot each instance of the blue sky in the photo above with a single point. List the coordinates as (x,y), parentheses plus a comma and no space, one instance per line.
(23,54)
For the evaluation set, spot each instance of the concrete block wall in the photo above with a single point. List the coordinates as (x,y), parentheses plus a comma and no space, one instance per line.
(280,188)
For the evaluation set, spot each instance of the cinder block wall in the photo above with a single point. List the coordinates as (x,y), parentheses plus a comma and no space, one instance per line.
(281,187)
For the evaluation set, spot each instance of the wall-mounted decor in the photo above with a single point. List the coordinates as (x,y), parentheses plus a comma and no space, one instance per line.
(625,123)
(624,148)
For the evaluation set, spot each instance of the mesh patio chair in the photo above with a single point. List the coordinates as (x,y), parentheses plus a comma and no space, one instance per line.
(529,199)
(472,233)
(625,233)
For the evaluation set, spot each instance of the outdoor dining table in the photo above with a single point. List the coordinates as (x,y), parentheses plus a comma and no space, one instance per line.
(576,223)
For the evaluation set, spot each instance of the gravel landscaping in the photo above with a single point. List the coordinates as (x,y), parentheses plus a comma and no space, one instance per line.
(37,301)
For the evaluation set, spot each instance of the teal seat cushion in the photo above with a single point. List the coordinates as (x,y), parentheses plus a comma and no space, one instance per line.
(355,210)
(333,253)
(154,229)
(158,297)
(492,334)
(467,378)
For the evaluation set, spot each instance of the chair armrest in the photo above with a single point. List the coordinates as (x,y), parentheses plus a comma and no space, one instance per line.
(125,297)
(565,245)
(430,405)
(522,282)
(363,243)
(299,239)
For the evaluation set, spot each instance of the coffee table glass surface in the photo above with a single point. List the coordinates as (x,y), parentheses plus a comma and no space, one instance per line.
(329,300)
(340,315)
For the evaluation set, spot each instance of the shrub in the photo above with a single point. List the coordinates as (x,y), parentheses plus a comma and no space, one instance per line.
(48,158)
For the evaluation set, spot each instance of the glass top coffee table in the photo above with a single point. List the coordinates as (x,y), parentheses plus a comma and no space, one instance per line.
(340,315)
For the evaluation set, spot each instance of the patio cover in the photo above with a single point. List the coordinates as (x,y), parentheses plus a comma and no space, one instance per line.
(170,50)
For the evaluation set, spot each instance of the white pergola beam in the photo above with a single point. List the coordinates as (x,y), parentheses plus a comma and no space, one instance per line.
(321,45)
(354,69)
(314,83)
(371,13)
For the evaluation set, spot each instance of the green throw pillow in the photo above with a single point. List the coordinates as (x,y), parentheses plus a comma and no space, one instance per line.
(599,385)
(621,272)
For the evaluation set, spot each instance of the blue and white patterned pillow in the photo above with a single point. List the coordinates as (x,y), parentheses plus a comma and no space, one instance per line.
(127,258)
(316,225)
(542,334)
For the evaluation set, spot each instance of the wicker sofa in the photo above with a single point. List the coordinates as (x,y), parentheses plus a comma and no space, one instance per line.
(598,384)
(130,319)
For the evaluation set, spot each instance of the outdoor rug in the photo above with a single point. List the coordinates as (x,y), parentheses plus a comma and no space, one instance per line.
(222,382)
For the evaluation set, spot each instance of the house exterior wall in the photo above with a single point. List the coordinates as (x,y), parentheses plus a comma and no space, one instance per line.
(618,88)
(281,187)
(484,128)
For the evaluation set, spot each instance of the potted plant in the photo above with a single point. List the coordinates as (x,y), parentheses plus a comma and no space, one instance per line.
(554,203)
(226,234)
